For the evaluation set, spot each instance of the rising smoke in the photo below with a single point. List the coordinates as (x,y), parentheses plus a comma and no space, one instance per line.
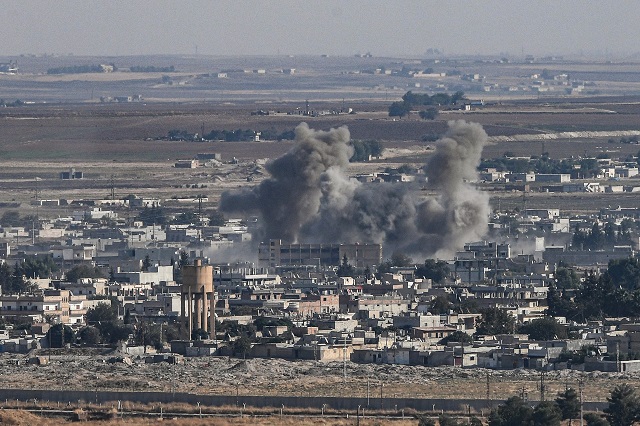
(309,197)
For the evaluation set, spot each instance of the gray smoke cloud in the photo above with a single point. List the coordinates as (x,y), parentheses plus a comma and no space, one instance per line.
(309,197)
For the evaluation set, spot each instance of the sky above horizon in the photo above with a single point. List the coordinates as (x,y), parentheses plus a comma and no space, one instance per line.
(332,27)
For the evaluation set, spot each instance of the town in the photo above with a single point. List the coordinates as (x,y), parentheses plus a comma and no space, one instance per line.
(529,296)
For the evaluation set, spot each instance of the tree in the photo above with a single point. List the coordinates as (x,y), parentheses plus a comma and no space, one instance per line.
(10,218)
(363,150)
(216,218)
(105,318)
(424,420)
(185,218)
(102,312)
(457,97)
(447,420)
(153,215)
(547,413)
(146,263)
(83,271)
(199,334)
(625,273)
(5,277)
(400,259)
(429,114)
(436,271)
(475,421)
(345,269)
(569,404)
(173,332)
(399,109)
(596,237)
(456,336)
(36,266)
(594,419)
(12,280)
(623,409)
(495,321)
(514,412)
(149,335)
(560,303)
(566,278)
(59,335)
(241,346)
(440,305)
(385,267)
(184,259)
(115,331)
(89,336)
(544,329)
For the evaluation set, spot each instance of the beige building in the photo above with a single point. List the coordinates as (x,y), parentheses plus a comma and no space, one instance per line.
(59,305)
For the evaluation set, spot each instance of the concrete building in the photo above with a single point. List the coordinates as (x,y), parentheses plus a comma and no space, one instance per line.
(60,305)
(71,174)
(553,177)
(277,253)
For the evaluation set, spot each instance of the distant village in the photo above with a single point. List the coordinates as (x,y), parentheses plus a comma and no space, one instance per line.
(546,290)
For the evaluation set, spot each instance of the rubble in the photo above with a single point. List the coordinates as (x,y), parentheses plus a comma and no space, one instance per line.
(222,375)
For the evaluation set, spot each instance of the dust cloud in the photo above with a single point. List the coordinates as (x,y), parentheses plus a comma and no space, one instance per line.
(310,198)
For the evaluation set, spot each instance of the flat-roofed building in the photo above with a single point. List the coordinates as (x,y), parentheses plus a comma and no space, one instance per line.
(278,253)
(61,305)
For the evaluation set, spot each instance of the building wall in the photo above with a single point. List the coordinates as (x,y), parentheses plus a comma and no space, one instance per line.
(275,252)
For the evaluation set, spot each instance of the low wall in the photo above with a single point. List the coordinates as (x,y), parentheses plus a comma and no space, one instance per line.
(437,405)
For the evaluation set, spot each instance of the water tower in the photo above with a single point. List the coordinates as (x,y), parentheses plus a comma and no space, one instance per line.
(198,301)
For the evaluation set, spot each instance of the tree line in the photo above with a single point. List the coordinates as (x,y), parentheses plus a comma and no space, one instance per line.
(614,293)
(151,68)
(588,167)
(425,103)
(78,69)
(15,279)
(623,410)
(597,238)
(362,149)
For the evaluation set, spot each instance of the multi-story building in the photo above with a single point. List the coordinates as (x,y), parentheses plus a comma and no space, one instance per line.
(278,253)
(59,305)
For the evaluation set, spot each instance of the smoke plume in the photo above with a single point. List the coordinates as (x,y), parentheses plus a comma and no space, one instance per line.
(309,197)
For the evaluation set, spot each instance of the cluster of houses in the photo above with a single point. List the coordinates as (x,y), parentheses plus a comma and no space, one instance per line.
(384,318)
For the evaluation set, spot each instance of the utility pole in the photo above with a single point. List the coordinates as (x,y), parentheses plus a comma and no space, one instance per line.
(489,391)
(344,358)
(580,385)
(368,391)
(542,386)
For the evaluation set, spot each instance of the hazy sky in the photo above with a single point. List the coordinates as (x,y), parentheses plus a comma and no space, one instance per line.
(255,27)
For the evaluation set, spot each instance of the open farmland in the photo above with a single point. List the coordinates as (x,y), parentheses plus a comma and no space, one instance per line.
(116,146)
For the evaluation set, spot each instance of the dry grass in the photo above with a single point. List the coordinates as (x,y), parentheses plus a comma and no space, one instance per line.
(25,418)
(20,418)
